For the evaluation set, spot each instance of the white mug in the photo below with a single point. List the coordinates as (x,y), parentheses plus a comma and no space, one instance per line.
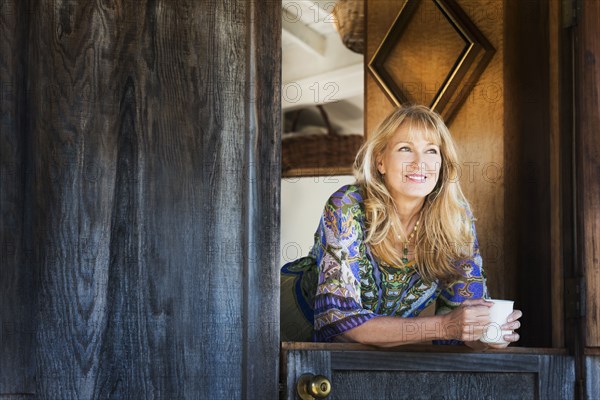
(499,313)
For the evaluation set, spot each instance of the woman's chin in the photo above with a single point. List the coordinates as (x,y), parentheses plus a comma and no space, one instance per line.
(415,193)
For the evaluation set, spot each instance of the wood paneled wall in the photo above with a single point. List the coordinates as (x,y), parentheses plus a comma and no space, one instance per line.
(503,132)
(141,148)
(478,128)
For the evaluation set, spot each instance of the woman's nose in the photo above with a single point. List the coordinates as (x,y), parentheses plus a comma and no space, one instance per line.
(411,166)
(418,162)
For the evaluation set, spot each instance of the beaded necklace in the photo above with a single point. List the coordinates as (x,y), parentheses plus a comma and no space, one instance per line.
(408,240)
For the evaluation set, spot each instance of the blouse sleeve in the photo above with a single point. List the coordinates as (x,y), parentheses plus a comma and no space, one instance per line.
(338,305)
(472,286)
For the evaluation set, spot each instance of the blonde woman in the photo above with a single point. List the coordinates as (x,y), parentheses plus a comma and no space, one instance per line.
(399,239)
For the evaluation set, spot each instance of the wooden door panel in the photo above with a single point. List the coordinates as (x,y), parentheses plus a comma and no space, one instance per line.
(451,385)
(139,203)
(363,372)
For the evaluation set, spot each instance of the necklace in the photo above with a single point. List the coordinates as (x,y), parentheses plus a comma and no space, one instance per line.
(408,240)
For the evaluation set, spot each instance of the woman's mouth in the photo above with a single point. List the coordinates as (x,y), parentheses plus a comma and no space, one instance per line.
(416,178)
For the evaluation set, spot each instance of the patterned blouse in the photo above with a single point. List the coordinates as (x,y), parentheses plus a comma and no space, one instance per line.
(353,287)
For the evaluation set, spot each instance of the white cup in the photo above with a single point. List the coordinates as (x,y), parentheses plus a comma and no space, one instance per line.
(499,313)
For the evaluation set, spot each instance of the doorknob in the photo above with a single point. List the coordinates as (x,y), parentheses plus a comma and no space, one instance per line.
(310,387)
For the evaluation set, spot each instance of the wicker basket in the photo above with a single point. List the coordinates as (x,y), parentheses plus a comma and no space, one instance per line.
(349,18)
(314,154)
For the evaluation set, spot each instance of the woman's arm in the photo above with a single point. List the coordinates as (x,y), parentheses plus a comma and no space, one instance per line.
(465,323)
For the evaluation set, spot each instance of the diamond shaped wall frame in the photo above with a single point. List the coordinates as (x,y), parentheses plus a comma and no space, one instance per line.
(462,76)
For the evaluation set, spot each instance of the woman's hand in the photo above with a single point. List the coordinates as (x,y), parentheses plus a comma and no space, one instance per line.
(466,323)
(512,323)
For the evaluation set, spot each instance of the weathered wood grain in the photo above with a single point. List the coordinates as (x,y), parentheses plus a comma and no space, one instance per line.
(298,363)
(154,144)
(592,364)
(586,92)
(361,385)
(587,103)
(17,265)
(558,113)
(262,201)
(445,362)
(556,375)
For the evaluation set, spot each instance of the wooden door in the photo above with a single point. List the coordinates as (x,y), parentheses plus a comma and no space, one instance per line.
(138,199)
(358,372)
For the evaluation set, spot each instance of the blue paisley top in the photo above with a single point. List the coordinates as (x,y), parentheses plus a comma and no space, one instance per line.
(352,287)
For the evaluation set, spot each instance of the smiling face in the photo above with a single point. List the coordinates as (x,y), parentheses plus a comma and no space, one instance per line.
(410,163)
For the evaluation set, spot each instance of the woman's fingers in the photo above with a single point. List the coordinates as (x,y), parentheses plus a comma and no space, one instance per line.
(508,338)
(497,345)
(477,302)
(515,315)
(513,337)
(511,326)
(477,309)
(470,320)
(512,322)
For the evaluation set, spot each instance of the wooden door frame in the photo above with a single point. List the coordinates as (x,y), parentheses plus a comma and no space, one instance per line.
(586,192)
(568,254)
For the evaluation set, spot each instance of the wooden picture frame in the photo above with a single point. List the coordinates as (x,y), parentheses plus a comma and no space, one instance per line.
(469,64)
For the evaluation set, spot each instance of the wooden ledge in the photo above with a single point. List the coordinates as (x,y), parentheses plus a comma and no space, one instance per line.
(425,348)
(588,351)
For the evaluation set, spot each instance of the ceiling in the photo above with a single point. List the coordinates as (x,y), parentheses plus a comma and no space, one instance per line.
(317,67)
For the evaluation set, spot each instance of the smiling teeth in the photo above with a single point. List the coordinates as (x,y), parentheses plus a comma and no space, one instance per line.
(417,177)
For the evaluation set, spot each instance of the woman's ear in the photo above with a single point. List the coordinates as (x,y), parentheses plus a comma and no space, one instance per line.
(380,165)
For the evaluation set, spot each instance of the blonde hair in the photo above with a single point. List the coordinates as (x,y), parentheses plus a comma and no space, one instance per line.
(444,233)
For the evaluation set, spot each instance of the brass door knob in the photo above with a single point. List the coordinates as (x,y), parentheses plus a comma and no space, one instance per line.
(310,387)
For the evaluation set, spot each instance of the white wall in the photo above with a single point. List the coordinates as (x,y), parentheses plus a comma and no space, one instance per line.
(302,202)
(322,69)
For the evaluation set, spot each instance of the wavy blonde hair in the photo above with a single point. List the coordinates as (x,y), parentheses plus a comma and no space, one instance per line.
(444,234)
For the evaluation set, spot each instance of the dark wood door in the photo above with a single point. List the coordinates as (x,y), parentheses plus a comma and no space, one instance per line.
(359,372)
(139,199)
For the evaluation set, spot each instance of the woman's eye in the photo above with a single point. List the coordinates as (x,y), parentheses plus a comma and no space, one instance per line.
(432,151)
(404,148)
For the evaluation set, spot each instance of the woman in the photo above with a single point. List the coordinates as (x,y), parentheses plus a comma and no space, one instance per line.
(398,240)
